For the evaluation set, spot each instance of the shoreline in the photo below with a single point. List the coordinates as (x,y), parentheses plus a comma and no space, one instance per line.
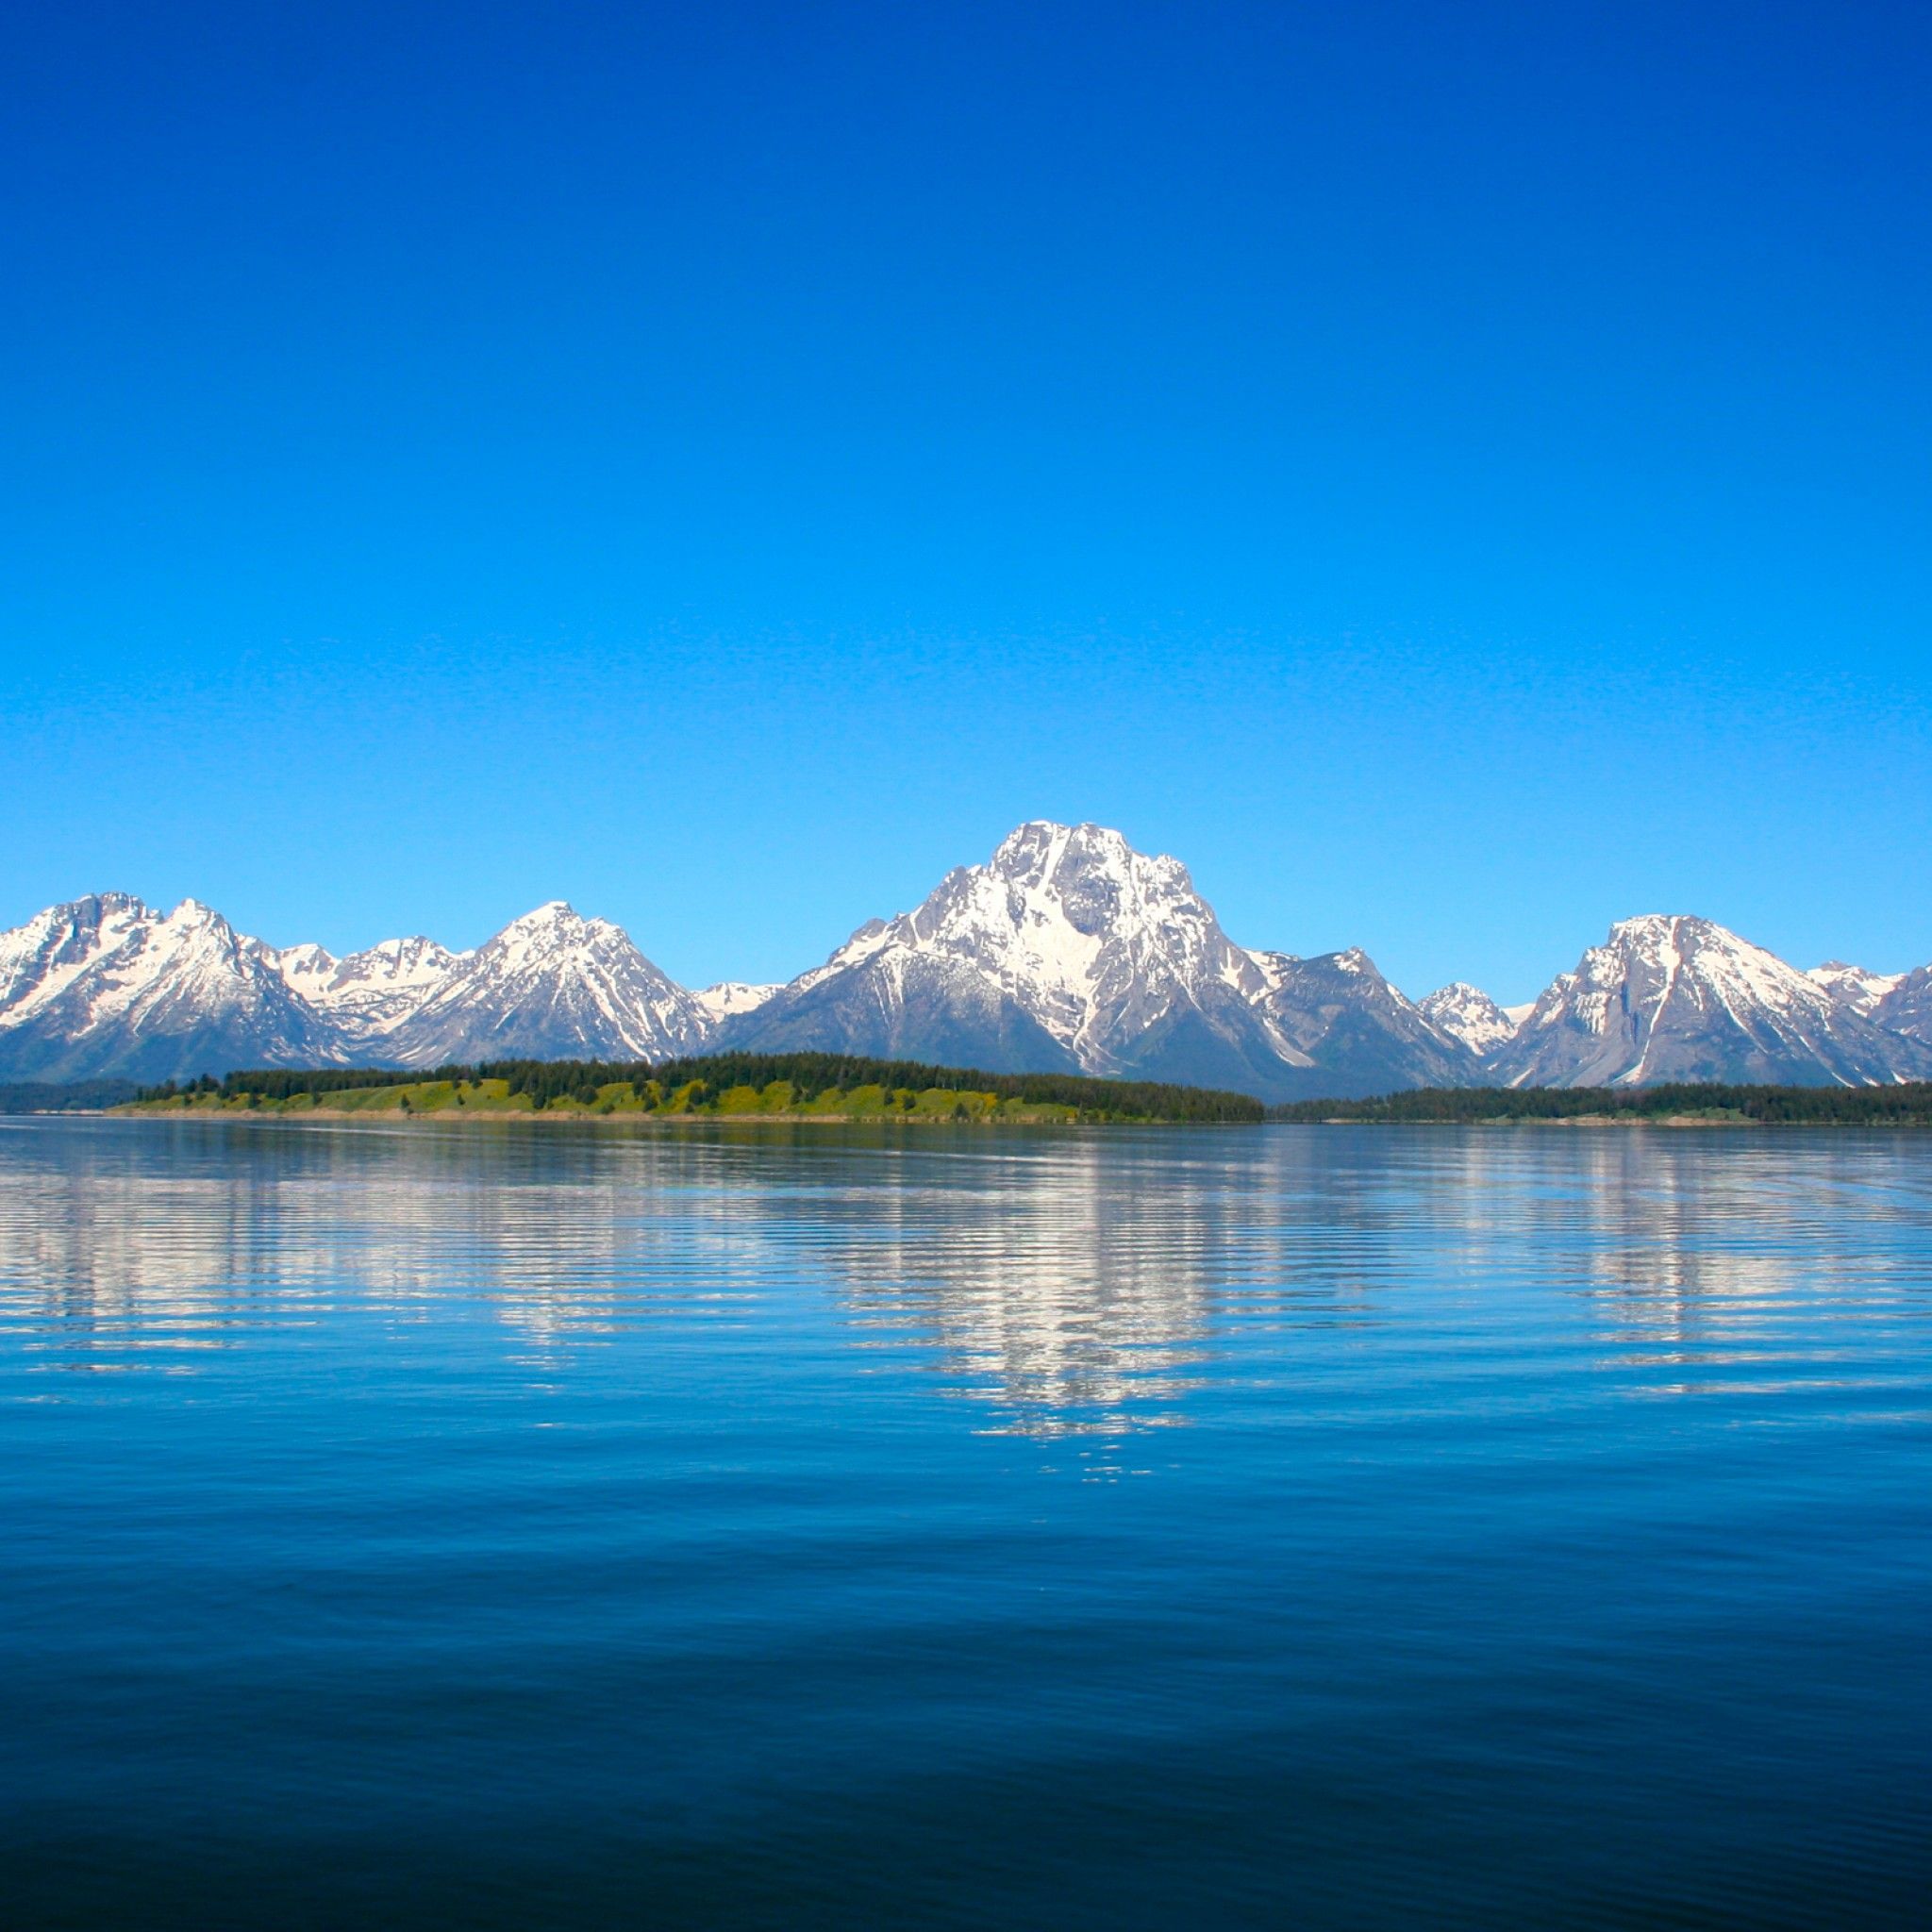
(560,1116)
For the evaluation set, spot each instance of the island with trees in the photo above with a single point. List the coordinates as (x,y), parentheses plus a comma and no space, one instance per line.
(788,1086)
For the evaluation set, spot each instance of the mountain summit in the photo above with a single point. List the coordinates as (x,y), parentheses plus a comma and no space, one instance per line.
(1678,998)
(1069,950)
(107,984)
(1467,1014)
(551,985)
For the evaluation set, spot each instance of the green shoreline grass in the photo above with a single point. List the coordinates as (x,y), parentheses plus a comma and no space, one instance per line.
(492,1100)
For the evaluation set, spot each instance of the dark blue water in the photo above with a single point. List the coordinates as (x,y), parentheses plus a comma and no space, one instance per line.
(495,1525)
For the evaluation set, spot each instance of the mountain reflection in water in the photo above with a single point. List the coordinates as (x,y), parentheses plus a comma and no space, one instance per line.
(1062,1283)
(496,1525)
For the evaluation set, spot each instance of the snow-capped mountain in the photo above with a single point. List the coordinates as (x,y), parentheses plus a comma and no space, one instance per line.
(1362,1034)
(107,984)
(1857,988)
(550,985)
(730,996)
(1906,1008)
(1069,950)
(1467,1014)
(1683,999)
(369,994)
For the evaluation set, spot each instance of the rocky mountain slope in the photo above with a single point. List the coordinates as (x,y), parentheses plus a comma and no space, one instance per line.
(108,985)
(1467,1014)
(1070,950)
(1361,1035)
(1906,1007)
(1854,987)
(1677,998)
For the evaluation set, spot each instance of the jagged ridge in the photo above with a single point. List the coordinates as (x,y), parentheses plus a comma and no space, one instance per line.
(1068,951)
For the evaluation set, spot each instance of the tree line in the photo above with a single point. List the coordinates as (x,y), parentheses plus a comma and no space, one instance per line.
(811,1075)
(1908,1104)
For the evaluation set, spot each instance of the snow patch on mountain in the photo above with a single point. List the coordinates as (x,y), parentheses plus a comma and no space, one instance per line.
(369,994)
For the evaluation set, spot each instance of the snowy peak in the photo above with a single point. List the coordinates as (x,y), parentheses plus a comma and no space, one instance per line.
(1674,997)
(39,958)
(1467,1014)
(107,985)
(307,968)
(1091,879)
(1066,949)
(1070,921)
(1069,949)
(550,985)
(370,993)
(732,996)
(1854,987)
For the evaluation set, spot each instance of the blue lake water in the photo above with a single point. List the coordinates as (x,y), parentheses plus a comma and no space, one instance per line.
(489,1525)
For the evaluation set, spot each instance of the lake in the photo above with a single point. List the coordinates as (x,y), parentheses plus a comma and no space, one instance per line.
(497,1524)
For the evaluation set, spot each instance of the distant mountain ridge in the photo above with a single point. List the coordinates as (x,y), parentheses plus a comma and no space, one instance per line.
(108,985)
(1067,951)
(1469,1014)
(1683,999)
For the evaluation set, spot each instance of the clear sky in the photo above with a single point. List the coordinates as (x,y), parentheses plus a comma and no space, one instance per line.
(1454,475)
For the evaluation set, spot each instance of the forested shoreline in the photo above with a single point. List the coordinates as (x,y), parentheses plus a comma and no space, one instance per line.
(803,1085)
(844,1086)
(1905,1104)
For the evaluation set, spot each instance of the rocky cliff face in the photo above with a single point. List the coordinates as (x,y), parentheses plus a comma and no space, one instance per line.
(1906,1007)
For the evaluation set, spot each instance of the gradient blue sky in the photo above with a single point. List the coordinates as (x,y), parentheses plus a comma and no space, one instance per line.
(1455,475)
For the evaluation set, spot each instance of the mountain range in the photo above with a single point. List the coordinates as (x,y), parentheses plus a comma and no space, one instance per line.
(1067,951)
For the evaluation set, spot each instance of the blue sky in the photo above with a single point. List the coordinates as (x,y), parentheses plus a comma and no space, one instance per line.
(1453,476)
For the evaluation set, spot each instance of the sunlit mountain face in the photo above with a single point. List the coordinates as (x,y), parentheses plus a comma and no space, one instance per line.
(1067,950)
